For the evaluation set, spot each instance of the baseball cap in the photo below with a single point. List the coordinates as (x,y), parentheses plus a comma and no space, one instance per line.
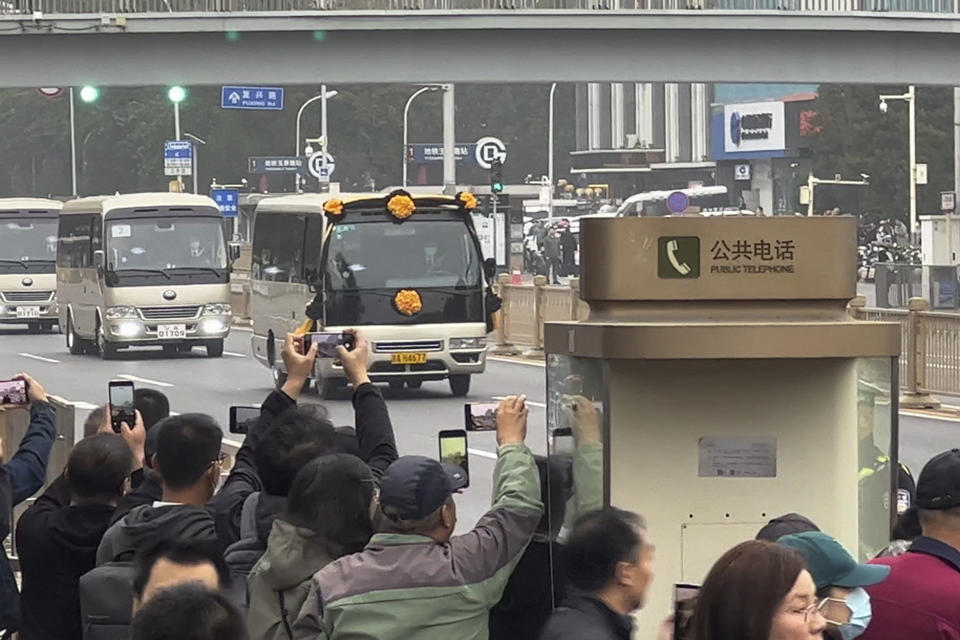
(830,564)
(785,525)
(413,487)
(939,484)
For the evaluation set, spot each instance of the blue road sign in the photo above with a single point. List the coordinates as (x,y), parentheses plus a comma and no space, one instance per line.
(419,153)
(257,98)
(277,164)
(677,202)
(177,157)
(227,200)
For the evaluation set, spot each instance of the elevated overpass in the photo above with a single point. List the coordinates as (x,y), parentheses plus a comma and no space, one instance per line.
(137,42)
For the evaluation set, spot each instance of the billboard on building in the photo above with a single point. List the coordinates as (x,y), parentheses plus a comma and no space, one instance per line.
(754,126)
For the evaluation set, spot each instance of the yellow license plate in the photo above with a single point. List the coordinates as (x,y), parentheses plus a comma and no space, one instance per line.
(408,358)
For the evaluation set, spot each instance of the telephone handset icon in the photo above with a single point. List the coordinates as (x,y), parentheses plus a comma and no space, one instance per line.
(680,267)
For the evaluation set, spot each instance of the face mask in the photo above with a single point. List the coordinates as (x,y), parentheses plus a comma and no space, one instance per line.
(861,612)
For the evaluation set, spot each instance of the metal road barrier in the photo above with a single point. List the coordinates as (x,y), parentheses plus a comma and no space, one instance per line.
(525,309)
(53,7)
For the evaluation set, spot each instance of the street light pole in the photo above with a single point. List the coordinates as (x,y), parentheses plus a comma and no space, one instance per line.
(73,145)
(553,90)
(324,94)
(406,111)
(323,129)
(910,98)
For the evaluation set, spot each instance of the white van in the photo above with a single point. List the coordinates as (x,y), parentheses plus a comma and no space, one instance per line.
(143,269)
(28,262)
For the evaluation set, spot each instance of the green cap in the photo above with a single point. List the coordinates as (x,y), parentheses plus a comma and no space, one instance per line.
(830,564)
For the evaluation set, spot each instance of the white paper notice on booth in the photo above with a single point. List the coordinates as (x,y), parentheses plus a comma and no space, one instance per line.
(738,457)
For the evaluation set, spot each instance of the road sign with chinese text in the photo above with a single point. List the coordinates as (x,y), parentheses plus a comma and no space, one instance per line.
(255,98)
(227,201)
(177,157)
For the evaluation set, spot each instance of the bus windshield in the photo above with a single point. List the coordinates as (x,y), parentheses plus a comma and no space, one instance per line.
(165,243)
(28,240)
(417,253)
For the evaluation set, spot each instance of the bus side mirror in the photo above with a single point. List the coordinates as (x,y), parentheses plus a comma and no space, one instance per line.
(490,269)
(234,251)
(98,258)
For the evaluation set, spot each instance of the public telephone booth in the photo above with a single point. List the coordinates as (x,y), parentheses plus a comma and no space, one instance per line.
(732,386)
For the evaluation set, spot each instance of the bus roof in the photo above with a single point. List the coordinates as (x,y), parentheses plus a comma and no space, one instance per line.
(105,204)
(28,205)
(303,202)
(647,196)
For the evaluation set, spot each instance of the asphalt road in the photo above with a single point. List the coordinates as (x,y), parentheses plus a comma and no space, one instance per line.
(195,383)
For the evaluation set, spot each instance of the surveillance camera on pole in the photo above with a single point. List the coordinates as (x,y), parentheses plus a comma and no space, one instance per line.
(884,106)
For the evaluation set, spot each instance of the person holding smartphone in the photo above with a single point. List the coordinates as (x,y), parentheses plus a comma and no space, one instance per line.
(26,472)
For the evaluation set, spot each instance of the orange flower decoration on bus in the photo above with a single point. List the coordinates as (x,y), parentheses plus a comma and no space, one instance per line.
(401,206)
(469,200)
(333,206)
(408,302)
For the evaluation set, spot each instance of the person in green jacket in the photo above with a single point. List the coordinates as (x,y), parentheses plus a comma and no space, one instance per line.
(415,580)
(327,516)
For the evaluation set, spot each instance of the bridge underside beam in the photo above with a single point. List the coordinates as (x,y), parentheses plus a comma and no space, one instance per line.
(742,48)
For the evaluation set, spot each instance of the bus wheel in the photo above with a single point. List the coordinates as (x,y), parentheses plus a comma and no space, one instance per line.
(414,384)
(107,350)
(215,349)
(460,385)
(279,378)
(74,344)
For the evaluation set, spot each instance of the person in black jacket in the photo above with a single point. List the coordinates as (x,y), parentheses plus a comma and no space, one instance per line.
(283,441)
(57,537)
(610,562)
(25,472)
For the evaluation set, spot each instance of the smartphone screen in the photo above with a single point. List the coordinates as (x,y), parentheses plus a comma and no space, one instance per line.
(453,450)
(327,343)
(684,603)
(241,417)
(121,404)
(13,392)
(561,441)
(480,416)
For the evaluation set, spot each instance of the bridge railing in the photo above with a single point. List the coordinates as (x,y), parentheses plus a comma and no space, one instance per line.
(54,7)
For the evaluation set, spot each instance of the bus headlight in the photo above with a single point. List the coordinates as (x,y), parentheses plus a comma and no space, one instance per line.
(119,313)
(467,343)
(217,309)
(212,326)
(128,329)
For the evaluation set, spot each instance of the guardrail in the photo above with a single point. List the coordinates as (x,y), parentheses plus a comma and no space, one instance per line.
(527,306)
(53,7)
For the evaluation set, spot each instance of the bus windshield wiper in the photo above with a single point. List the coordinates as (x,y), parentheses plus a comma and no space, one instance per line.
(214,270)
(22,263)
(150,271)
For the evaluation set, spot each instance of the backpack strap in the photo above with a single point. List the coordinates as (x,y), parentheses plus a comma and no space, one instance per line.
(283,615)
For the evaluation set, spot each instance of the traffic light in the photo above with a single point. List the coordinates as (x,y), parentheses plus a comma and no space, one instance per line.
(89,93)
(496,176)
(177,94)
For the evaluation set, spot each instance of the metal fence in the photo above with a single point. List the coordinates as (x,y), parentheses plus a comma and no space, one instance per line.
(526,307)
(53,7)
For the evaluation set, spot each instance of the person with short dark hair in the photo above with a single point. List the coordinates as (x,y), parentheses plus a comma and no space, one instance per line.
(758,590)
(328,515)
(785,525)
(921,598)
(172,562)
(58,536)
(188,612)
(415,580)
(25,472)
(94,422)
(153,405)
(610,562)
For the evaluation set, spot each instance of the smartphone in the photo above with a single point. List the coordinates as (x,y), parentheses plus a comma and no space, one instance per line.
(453,450)
(120,393)
(241,417)
(684,604)
(561,441)
(481,416)
(327,343)
(13,392)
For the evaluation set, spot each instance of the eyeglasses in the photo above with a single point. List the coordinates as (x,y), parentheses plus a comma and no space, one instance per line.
(835,611)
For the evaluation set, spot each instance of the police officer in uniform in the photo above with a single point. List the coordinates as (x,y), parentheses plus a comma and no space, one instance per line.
(874,472)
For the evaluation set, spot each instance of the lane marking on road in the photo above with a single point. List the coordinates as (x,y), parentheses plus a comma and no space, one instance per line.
(233,354)
(482,453)
(530,402)
(528,363)
(237,327)
(40,358)
(928,416)
(84,406)
(127,376)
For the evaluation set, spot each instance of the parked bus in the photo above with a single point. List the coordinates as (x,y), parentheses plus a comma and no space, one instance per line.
(143,269)
(413,281)
(28,262)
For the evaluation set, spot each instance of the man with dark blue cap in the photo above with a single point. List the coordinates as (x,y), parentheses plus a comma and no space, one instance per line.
(415,580)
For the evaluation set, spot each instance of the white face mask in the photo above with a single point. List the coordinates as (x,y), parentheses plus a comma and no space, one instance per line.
(861,613)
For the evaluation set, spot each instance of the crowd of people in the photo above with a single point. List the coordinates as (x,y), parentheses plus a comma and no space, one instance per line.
(550,249)
(320,532)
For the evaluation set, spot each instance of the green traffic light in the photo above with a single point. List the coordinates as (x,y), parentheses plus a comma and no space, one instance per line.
(89,93)
(496,187)
(177,94)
